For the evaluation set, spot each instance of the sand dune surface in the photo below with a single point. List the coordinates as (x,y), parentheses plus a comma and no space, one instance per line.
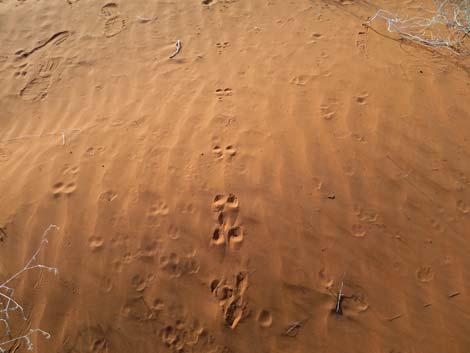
(220,201)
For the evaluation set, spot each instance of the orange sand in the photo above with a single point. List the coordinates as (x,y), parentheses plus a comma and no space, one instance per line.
(214,202)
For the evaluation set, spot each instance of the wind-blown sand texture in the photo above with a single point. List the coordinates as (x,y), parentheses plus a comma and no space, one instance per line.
(213,202)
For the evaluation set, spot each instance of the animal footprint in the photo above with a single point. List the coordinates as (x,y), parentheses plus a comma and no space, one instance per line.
(361,42)
(361,99)
(218,203)
(71,170)
(358,230)
(355,304)
(230,151)
(139,283)
(265,318)
(327,112)
(219,152)
(222,45)
(235,237)
(159,209)
(60,188)
(231,297)
(181,336)
(176,266)
(218,237)
(48,66)
(3,234)
(350,305)
(108,196)
(22,70)
(301,80)
(95,243)
(223,92)
(137,309)
(463,207)
(36,90)
(424,274)
(228,231)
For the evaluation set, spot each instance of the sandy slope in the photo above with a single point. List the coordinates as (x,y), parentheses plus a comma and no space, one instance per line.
(209,202)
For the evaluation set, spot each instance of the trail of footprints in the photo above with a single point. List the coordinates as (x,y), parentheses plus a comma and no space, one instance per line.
(230,294)
(228,231)
(177,332)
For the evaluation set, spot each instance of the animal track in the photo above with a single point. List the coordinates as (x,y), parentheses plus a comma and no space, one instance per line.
(71,170)
(361,42)
(22,70)
(90,339)
(139,310)
(173,232)
(327,112)
(301,80)
(148,250)
(139,283)
(108,196)
(181,336)
(222,45)
(366,219)
(463,207)
(95,243)
(424,274)
(228,231)
(114,23)
(350,305)
(231,297)
(219,152)
(265,318)
(361,99)
(159,209)
(48,66)
(223,92)
(37,89)
(358,230)
(354,304)
(3,234)
(60,188)
(177,266)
